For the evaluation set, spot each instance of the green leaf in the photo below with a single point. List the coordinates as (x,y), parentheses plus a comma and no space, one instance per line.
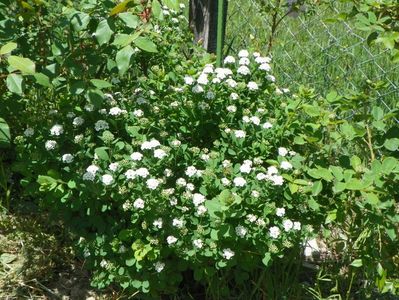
(101,84)
(214,206)
(42,79)
(266,259)
(7,48)
(378,113)
(14,83)
(317,188)
(25,65)
(102,153)
(5,136)
(103,32)
(123,59)
(392,144)
(311,110)
(7,258)
(145,44)
(172,4)
(157,9)
(355,184)
(357,263)
(120,7)
(133,131)
(96,97)
(371,198)
(79,20)
(130,261)
(331,216)
(356,163)
(131,21)
(337,172)
(321,173)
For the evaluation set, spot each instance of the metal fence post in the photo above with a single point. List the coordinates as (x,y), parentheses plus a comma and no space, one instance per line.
(220,32)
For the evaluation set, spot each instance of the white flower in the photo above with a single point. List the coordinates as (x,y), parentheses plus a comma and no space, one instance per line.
(278,91)
(246,119)
(260,222)
(231,82)
(210,95)
(297,226)
(239,182)
(50,145)
(261,176)
(285,165)
(233,96)
(229,60)
(245,168)
(70,115)
(197,89)
(271,78)
(241,231)
(282,151)
(198,199)
(29,132)
(89,107)
(244,61)
(203,79)
(288,225)
(102,111)
(265,67)
(171,240)
(222,73)
(251,218)
(228,253)
(190,187)
(280,212)
(198,243)
(89,176)
(262,60)
(216,80)
(67,158)
(231,108)
(115,111)
(78,121)
(56,130)
(256,54)
(158,223)
(159,266)
(138,203)
(141,100)
(150,144)
(168,172)
(277,179)
(201,210)
(176,143)
(225,181)
(92,169)
(152,183)
(272,170)
(127,205)
(103,263)
(240,134)
(159,153)
(285,90)
(255,120)
(181,182)
(78,138)
(101,125)
(274,232)
(182,5)
(142,172)
(255,194)
(252,86)
(205,157)
(130,174)
(267,125)
(177,223)
(107,179)
(208,69)
(136,156)
(243,53)
(191,171)
(138,113)
(243,70)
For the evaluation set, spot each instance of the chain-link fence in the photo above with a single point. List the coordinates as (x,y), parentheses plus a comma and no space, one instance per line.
(309,49)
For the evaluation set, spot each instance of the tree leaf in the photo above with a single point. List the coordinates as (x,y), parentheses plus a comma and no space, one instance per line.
(131,21)
(157,9)
(317,188)
(7,48)
(79,20)
(357,263)
(103,32)
(120,7)
(42,79)
(14,83)
(101,84)
(145,44)
(102,153)
(25,65)
(392,144)
(123,59)
(5,136)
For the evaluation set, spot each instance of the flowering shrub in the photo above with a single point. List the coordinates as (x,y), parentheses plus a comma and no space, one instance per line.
(162,162)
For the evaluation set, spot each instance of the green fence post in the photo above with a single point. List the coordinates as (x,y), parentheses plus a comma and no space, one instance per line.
(219,37)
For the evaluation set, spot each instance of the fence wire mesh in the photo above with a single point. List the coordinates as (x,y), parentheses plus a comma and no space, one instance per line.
(308,49)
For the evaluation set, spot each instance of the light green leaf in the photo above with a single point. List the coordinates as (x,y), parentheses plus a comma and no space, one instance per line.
(357,263)
(145,44)
(157,9)
(392,144)
(103,32)
(123,59)
(79,20)
(101,84)
(25,65)
(7,48)
(131,21)
(321,173)
(266,259)
(42,79)
(5,136)
(102,153)
(172,4)
(317,188)
(14,83)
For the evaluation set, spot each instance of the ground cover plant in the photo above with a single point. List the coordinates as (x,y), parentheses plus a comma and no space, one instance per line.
(174,174)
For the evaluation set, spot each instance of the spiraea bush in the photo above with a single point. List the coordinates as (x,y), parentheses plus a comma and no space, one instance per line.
(161,163)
